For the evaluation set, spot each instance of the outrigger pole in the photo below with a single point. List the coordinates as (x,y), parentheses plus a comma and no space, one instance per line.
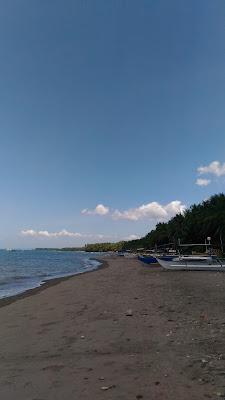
(196,244)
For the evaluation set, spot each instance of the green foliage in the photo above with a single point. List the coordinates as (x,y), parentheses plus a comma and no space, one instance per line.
(104,246)
(194,226)
(60,249)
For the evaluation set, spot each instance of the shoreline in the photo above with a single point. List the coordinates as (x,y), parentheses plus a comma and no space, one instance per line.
(128,331)
(5,301)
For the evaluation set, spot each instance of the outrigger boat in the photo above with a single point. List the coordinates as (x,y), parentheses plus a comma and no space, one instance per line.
(193,263)
(205,262)
(147,259)
(150,256)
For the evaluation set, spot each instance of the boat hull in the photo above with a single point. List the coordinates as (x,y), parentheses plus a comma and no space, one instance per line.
(148,259)
(186,265)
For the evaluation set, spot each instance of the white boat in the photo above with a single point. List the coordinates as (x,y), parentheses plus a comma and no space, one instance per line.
(130,255)
(193,263)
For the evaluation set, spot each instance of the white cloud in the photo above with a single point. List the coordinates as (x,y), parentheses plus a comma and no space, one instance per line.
(29,232)
(47,234)
(64,234)
(203,182)
(132,237)
(100,209)
(215,168)
(151,210)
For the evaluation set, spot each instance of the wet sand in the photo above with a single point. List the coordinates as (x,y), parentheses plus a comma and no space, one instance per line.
(123,332)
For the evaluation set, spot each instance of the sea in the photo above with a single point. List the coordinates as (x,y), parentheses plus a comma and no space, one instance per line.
(21,270)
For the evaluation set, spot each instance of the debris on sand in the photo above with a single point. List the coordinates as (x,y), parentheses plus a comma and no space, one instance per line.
(129,313)
(108,387)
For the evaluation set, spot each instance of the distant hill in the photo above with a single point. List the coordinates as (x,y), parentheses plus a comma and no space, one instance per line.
(60,249)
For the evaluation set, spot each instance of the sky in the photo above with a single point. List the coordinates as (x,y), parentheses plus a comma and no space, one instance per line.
(111,116)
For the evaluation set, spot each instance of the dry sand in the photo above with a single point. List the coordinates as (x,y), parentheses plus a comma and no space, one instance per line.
(74,338)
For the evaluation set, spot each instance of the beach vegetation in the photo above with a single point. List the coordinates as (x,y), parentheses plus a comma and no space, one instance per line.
(194,225)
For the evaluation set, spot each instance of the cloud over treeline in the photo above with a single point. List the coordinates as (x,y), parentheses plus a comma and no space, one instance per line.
(153,211)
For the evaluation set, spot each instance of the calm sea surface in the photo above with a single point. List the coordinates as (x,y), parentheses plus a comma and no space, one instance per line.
(21,270)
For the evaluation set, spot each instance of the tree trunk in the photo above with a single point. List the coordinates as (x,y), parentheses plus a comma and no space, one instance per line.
(221,241)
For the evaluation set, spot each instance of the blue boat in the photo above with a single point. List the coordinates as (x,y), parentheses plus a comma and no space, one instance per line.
(148,259)
(152,260)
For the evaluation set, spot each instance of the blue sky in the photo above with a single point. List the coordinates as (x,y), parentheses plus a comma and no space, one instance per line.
(107,103)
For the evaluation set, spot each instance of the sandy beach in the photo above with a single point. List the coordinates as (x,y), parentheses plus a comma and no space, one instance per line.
(126,331)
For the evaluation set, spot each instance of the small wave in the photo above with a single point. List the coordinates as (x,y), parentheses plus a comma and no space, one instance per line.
(21,278)
(11,279)
(32,269)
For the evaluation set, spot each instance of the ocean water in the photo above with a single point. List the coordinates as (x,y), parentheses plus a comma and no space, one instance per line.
(21,270)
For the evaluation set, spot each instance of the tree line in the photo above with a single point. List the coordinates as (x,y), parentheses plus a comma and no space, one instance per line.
(198,222)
